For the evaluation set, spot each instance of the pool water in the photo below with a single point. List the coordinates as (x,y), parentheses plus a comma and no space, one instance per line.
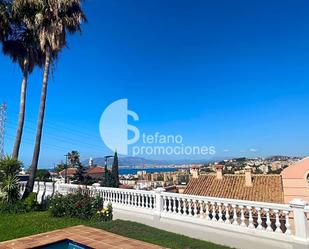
(65,244)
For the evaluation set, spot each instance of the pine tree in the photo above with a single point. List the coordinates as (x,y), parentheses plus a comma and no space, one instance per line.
(115,171)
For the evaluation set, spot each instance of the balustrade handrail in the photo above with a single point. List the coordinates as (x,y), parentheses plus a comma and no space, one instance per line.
(267,205)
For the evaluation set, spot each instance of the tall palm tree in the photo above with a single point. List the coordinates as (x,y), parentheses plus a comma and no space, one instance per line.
(73,157)
(21,45)
(5,8)
(52,20)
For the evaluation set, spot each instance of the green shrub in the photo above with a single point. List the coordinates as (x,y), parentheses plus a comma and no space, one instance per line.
(10,189)
(31,203)
(9,185)
(12,208)
(77,205)
(9,167)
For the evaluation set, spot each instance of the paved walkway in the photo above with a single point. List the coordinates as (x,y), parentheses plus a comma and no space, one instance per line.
(92,237)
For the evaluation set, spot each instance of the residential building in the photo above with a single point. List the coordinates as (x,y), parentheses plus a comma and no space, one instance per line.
(248,186)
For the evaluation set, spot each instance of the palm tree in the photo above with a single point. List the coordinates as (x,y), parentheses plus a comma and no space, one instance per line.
(4,19)
(21,45)
(73,157)
(52,20)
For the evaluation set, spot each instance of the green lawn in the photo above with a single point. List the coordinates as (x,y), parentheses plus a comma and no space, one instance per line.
(20,225)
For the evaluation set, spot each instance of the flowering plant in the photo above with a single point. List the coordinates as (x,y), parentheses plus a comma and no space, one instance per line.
(105,214)
(77,205)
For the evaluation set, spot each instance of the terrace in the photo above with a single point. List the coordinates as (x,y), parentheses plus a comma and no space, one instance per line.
(217,220)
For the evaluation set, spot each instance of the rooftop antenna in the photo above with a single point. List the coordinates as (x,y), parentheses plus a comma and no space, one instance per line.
(3,108)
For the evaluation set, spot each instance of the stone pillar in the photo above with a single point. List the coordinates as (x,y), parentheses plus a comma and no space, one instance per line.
(300,219)
(159,202)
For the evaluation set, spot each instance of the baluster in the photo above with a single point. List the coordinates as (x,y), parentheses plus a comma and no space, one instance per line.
(164,204)
(251,225)
(131,199)
(177,203)
(135,199)
(184,206)
(146,201)
(124,194)
(142,200)
(143,196)
(278,224)
(151,205)
(235,222)
(169,202)
(213,211)
(268,221)
(227,214)
(201,203)
(139,200)
(190,209)
(118,197)
(259,219)
(242,216)
(207,210)
(195,202)
(287,222)
(220,212)
(138,203)
(174,205)
(127,198)
(152,201)
(180,206)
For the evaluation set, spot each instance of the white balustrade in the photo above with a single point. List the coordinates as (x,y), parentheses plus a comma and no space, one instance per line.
(245,215)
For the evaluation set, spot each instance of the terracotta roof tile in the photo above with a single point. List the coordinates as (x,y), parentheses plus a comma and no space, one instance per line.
(95,170)
(70,172)
(265,188)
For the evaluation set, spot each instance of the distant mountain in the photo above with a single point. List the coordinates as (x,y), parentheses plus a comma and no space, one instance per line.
(139,161)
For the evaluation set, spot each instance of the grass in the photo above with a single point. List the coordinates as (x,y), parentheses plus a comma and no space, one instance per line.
(20,225)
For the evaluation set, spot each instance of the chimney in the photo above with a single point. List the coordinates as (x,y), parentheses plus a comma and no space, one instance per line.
(219,168)
(195,172)
(248,176)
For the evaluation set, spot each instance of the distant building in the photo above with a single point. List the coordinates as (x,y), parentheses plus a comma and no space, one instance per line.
(295,181)
(247,186)
(68,173)
(95,173)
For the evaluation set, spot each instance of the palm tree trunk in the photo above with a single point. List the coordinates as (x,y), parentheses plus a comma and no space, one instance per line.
(37,146)
(22,107)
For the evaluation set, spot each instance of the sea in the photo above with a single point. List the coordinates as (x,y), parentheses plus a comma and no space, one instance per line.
(148,170)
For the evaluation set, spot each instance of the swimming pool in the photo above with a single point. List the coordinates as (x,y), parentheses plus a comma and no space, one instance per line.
(64,244)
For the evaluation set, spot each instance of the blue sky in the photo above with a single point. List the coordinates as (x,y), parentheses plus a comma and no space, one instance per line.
(233,74)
